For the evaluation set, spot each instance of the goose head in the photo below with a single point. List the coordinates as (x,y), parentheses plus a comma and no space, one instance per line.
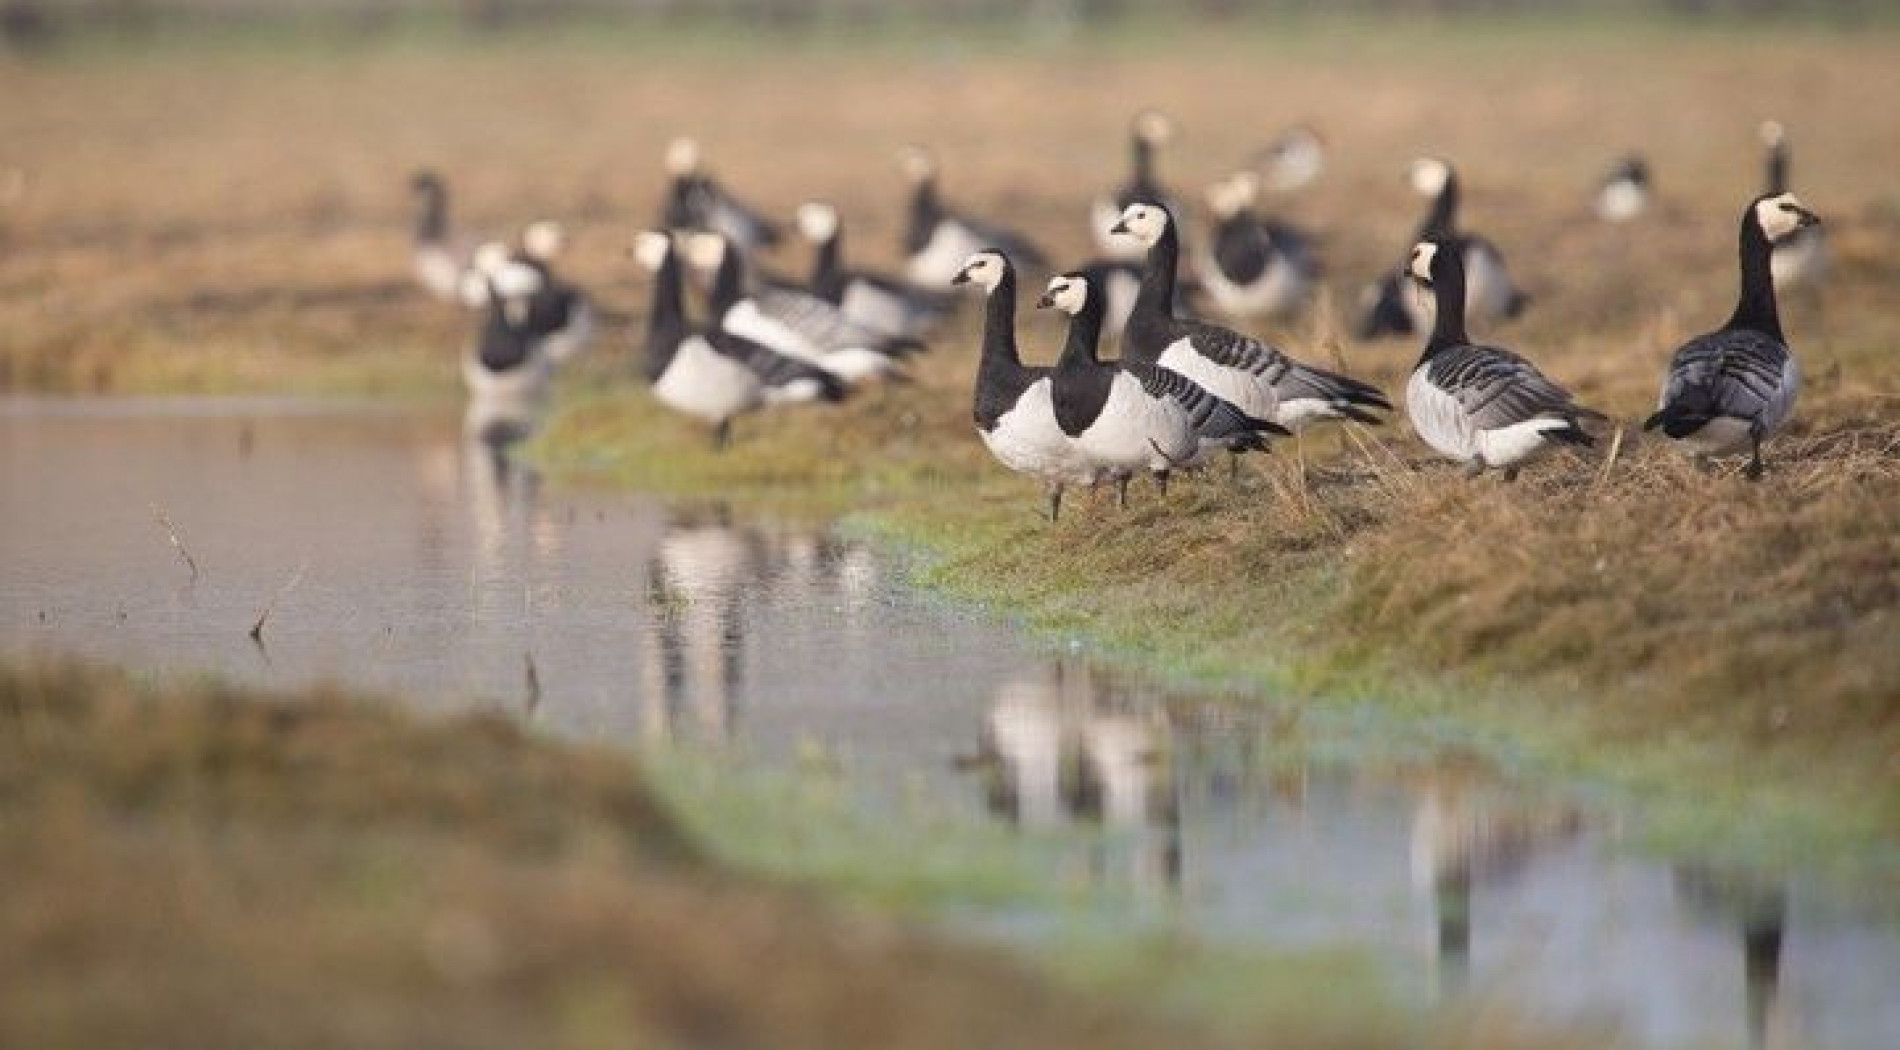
(917,164)
(544,240)
(1427,262)
(1144,222)
(1233,194)
(705,251)
(1067,292)
(1294,158)
(683,157)
(1773,134)
(1428,176)
(488,258)
(984,269)
(1782,215)
(817,221)
(426,183)
(1153,128)
(651,248)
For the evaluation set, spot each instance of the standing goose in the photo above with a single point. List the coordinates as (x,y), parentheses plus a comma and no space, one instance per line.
(1801,259)
(938,239)
(1293,160)
(709,374)
(1150,132)
(1014,403)
(1253,267)
(697,201)
(880,301)
(1480,405)
(1129,417)
(792,322)
(1259,379)
(440,258)
(566,312)
(509,361)
(1731,388)
(1491,296)
(1624,193)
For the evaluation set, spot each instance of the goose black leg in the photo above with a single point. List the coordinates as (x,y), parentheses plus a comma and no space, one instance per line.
(1510,473)
(1233,466)
(1474,468)
(1055,502)
(1121,492)
(1754,470)
(722,435)
(1161,482)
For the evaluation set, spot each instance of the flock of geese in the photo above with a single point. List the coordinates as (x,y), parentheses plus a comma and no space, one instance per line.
(1182,389)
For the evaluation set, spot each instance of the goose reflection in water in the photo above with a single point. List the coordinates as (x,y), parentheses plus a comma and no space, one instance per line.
(505,509)
(694,651)
(1758,911)
(1061,747)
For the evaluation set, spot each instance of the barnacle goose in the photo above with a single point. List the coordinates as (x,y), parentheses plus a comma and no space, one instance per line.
(1624,193)
(710,374)
(938,239)
(886,303)
(1014,404)
(566,311)
(1259,379)
(1480,405)
(1293,159)
(1733,387)
(1800,259)
(439,256)
(792,322)
(1150,132)
(1128,416)
(509,361)
(1392,308)
(1253,267)
(697,201)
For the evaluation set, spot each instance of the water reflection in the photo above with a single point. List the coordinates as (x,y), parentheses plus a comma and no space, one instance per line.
(695,635)
(1757,911)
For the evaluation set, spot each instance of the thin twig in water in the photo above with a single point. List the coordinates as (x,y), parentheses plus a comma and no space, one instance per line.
(257,629)
(534,682)
(177,544)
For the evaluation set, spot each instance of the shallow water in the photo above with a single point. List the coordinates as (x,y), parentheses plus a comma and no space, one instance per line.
(393,552)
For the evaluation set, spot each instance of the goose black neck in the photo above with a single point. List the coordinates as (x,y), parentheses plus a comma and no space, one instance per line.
(666,321)
(1143,156)
(1085,329)
(1448,286)
(728,282)
(1156,295)
(999,320)
(1442,219)
(925,211)
(433,224)
(1777,181)
(827,261)
(1756,309)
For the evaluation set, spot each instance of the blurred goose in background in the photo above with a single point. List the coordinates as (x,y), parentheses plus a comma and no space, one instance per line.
(710,374)
(1801,258)
(884,302)
(1624,193)
(440,257)
(1253,267)
(1149,132)
(565,310)
(509,360)
(938,239)
(1482,406)
(1127,416)
(697,202)
(1014,403)
(1293,160)
(1732,388)
(1259,379)
(1392,307)
(792,322)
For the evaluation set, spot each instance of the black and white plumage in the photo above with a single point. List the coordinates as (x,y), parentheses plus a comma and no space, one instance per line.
(1127,416)
(1482,406)
(1251,266)
(1733,387)
(1801,259)
(709,374)
(1392,306)
(939,239)
(1149,132)
(883,302)
(696,201)
(1257,378)
(1013,403)
(792,321)
(1293,160)
(1624,194)
(440,257)
(509,360)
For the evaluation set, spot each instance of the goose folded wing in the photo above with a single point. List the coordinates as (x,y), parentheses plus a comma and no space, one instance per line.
(738,220)
(1205,410)
(1497,388)
(1241,251)
(773,368)
(1231,349)
(823,323)
(1741,370)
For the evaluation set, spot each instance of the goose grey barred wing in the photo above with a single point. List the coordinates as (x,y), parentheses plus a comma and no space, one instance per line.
(1233,350)
(1738,372)
(1210,415)
(732,217)
(1294,381)
(825,324)
(1496,388)
(774,369)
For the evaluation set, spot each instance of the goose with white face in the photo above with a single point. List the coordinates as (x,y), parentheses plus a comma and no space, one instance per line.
(984,269)
(917,164)
(1420,266)
(1144,222)
(650,249)
(817,221)
(1233,194)
(1428,176)
(1783,216)
(543,241)
(682,157)
(1154,128)
(1066,293)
